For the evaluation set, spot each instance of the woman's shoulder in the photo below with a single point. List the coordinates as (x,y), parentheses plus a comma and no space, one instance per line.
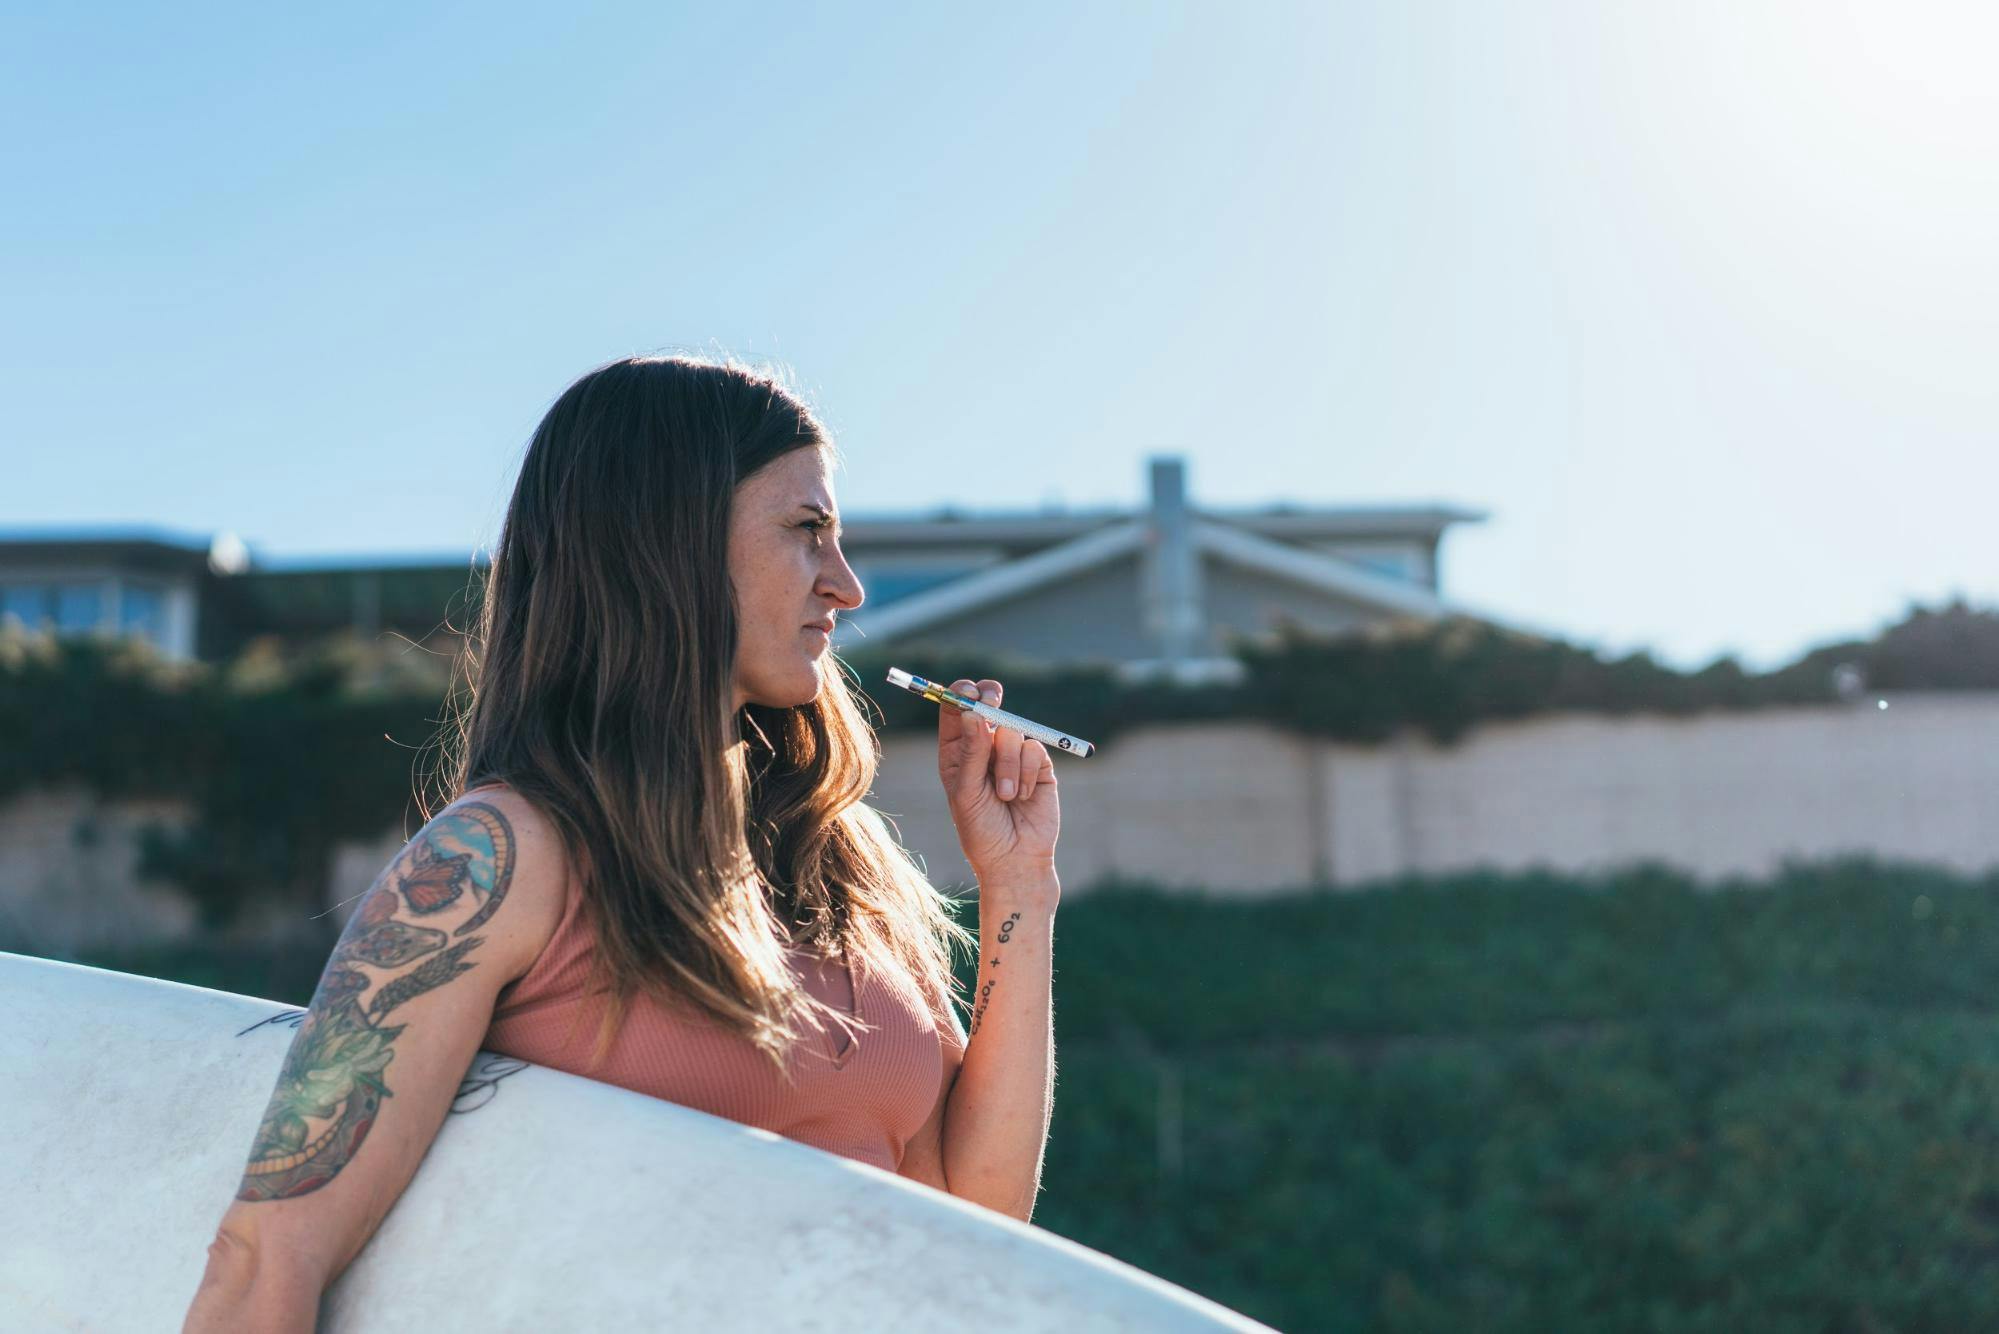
(532,872)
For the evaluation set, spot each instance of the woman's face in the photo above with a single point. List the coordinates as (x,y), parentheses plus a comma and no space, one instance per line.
(789,577)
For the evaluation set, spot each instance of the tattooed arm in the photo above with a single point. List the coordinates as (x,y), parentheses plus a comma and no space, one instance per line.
(401,1009)
(999,1110)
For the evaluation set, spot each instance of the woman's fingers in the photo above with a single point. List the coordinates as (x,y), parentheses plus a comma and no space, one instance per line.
(1017,765)
(968,740)
(955,725)
(1035,767)
(951,722)
(1006,747)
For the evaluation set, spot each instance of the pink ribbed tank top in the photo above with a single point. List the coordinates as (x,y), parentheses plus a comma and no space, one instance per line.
(862,1095)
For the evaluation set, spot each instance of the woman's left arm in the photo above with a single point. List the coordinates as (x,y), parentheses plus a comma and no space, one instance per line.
(1003,798)
(996,1124)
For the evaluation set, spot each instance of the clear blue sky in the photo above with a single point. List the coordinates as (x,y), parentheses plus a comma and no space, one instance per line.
(1700,301)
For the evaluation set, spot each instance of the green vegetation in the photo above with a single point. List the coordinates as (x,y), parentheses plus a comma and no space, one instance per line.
(1442,678)
(1529,1103)
(1492,1103)
(1523,1102)
(286,749)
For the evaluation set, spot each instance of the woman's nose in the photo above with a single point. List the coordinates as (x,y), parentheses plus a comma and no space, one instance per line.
(845,586)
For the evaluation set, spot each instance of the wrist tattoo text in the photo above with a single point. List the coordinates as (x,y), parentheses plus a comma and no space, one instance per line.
(986,991)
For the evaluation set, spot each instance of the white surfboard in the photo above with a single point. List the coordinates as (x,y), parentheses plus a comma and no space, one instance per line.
(551,1202)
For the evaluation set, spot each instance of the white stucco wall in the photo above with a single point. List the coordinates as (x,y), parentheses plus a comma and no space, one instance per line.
(1719,794)
(1228,807)
(67,879)
(1210,805)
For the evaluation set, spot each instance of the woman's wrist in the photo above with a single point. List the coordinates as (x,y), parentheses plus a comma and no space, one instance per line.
(1020,884)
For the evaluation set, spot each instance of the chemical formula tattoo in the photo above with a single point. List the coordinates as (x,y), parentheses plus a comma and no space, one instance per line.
(333,1080)
(986,991)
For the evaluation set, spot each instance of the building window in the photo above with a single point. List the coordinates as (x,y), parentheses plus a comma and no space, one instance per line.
(888,584)
(1397,562)
(79,608)
(68,608)
(1394,564)
(26,605)
(142,611)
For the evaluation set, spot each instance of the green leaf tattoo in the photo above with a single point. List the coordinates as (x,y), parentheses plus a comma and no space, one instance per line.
(331,1084)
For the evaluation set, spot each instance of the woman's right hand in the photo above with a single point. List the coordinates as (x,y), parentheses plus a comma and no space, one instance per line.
(1001,789)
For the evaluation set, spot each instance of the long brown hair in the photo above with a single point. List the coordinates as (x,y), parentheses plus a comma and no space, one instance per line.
(600,673)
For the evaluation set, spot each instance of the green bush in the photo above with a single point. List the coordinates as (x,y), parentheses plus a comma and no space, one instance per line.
(1521,1102)
(284,750)
(1443,678)
(280,757)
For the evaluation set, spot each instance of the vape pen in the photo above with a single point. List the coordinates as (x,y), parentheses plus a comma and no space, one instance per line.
(930,690)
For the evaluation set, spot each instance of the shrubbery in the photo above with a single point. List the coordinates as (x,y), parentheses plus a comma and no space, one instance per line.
(1443,678)
(280,758)
(285,752)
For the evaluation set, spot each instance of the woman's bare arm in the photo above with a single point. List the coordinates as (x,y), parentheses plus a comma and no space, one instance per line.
(400,1011)
(996,1127)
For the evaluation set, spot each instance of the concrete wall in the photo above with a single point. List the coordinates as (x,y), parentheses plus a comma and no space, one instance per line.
(1719,795)
(1245,809)
(69,881)
(1218,805)
(66,875)
(1231,807)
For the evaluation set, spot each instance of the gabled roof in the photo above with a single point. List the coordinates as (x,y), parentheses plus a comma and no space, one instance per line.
(1004,581)
(950,527)
(1328,574)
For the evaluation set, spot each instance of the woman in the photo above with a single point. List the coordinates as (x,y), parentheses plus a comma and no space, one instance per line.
(658,870)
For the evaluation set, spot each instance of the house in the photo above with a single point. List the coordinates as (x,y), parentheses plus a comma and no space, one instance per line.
(204,598)
(145,583)
(1156,591)
(1159,589)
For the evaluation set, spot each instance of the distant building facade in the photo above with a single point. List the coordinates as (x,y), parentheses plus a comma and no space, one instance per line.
(1156,590)
(126,582)
(204,598)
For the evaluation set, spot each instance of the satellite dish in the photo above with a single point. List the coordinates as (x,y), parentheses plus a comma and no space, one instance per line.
(227,554)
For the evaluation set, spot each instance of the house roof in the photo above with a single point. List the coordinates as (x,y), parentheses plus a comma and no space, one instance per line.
(374,562)
(97,541)
(1219,541)
(1329,574)
(110,534)
(1006,580)
(950,526)
(126,546)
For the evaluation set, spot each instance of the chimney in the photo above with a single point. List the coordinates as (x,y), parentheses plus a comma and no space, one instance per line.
(1172,570)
